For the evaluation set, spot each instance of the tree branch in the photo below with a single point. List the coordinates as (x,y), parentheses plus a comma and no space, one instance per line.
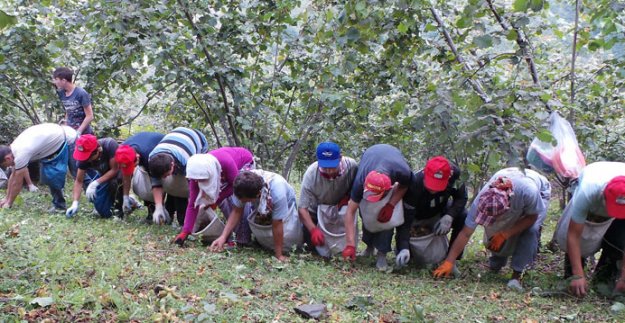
(145,105)
(476,85)
(574,55)
(222,88)
(208,119)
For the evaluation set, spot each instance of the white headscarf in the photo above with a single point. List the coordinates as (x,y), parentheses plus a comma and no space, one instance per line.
(202,167)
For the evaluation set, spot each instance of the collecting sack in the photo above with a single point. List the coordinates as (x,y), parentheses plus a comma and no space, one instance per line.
(592,235)
(141,184)
(176,185)
(330,221)
(425,247)
(565,158)
(292,230)
(54,169)
(369,212)
(208,226)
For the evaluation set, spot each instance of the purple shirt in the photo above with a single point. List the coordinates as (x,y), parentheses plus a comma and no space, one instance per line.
(232,160)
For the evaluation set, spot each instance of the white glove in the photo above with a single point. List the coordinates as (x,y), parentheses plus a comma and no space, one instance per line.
(160,215)
(32,188)
(91,190)
(403,257)
(443,225)
(72,210)
(130,204)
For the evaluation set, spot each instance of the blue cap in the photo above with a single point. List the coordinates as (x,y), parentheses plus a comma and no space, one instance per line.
(328,155)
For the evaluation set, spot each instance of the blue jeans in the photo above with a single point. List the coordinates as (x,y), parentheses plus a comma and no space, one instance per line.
(379,240)
(106,195)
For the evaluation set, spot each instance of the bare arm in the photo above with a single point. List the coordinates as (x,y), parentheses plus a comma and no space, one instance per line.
(349,223)
(126,180)
(87,120)
(522,224)
(459,244)
(398,194)
(29,182)
(304,216)
(277,228)
(233,220)
(15,185)
(157,193)
(112,172)
(80,176)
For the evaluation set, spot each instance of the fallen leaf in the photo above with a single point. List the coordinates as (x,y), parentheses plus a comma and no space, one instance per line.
(42,301)
(14,231)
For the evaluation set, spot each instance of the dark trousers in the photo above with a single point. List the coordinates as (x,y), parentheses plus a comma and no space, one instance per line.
(307,240)
(177,205)
(611,252)
(58,199)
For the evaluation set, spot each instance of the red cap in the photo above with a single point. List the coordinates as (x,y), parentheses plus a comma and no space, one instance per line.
(437,173)
(85,145)
(126,158)
(614,194)
(376,183)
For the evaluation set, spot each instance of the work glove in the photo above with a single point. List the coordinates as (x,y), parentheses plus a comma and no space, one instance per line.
(32,188)
(403,257)
(386,213)
(496,242)
(443,225)
(130,204)
(344,201)
(180,238)
(72,210)
(349,253)
(316,237)
(160,215)
(444,270)
(91,190)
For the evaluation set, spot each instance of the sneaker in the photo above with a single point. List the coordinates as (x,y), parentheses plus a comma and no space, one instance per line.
(515,285)
(381,263)
(55,210)
(455,271)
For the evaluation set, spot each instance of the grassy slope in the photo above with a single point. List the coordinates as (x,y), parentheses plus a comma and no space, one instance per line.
(107,270)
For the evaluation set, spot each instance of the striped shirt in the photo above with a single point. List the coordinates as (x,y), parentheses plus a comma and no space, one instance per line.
(181,143)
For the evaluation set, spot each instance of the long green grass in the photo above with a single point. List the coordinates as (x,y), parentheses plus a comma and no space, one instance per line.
(89,269)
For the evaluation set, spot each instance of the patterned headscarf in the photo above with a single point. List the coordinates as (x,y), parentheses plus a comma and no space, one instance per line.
(494,202)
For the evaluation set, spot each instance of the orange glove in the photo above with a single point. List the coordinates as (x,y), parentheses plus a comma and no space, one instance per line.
(316,237)
(444,270)
(496,242)
(349,253)
(386,213)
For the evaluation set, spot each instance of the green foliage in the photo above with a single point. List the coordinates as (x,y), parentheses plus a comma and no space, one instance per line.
(279,77)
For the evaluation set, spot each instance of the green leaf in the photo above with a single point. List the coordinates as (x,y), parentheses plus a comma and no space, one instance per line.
(402,28)
(520,5)
(537,5)
(523,21)
(6,20)
(430,27)
(593,45)
(545,135)
(463,22)
(483,41)
(353,34)
(512,35)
